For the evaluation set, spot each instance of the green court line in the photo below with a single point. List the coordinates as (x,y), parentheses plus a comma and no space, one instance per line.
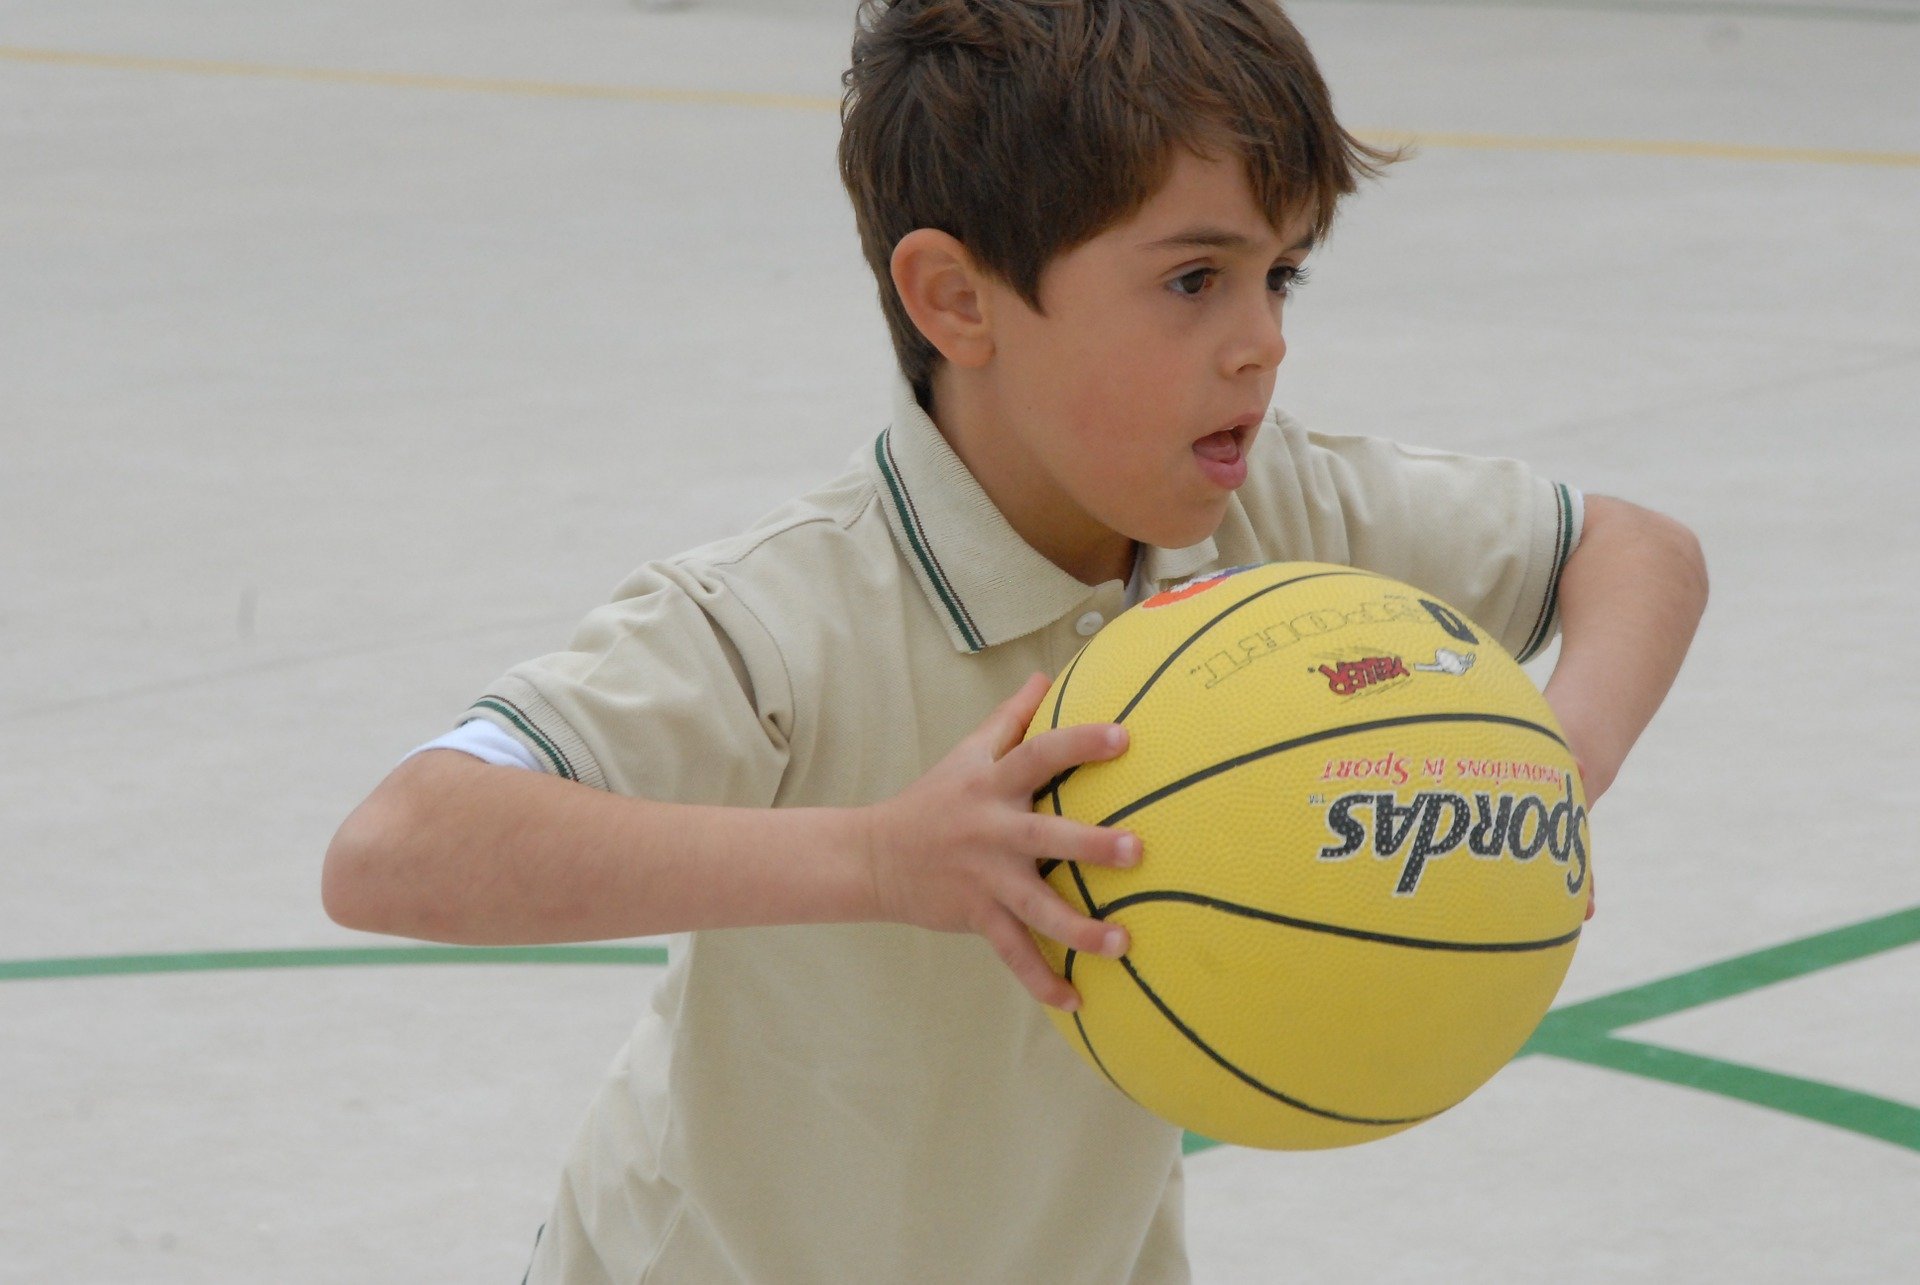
(343,957)
(1743,973)
(1581,1032)
(1862,1113)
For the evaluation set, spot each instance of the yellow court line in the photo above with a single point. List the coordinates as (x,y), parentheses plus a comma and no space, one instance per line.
(1645,147)
(417,80)
(816,103)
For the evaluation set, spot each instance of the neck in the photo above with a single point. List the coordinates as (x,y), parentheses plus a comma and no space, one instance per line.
(976,424)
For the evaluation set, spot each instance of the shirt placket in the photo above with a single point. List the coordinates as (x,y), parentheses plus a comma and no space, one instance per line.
(1088,617)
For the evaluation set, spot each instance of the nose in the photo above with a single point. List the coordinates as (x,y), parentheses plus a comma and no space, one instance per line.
(1259,344)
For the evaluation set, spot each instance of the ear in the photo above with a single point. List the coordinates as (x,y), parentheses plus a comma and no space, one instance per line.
(940,287)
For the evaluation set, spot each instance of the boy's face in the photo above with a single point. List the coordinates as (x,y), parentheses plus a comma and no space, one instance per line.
(1130,403)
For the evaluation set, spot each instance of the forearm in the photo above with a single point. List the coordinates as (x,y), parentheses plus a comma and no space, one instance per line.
(1630,599)
(452,849)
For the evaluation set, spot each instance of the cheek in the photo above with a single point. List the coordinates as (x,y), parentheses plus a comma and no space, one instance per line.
(1149,390)
(1112,371)
(1126,357)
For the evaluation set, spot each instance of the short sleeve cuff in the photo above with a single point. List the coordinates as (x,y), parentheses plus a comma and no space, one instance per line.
(1556,533)
(518,709)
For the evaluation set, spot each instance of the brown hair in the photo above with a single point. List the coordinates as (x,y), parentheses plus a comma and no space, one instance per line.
(1024,128)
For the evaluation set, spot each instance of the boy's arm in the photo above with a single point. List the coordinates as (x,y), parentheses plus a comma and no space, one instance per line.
(1630,598)
(448,848)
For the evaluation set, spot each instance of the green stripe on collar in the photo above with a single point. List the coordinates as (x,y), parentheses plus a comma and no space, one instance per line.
(916,537)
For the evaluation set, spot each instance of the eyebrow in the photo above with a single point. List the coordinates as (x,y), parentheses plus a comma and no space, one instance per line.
(1215,238)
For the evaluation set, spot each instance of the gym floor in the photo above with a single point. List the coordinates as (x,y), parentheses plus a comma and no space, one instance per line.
(349,352)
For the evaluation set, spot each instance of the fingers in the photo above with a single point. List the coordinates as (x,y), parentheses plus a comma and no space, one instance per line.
(1032,907)
(1049,754)
(1035,762)
(1049,916)
(1042,910)
(1017,951)
(1046,837)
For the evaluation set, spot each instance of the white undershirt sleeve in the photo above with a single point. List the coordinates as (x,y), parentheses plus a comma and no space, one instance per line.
(486,742)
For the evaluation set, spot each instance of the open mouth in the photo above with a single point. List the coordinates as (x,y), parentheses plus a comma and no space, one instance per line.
(1222,456)
(1225,446)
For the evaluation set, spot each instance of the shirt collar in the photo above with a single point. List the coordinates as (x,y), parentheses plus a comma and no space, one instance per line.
(983,581)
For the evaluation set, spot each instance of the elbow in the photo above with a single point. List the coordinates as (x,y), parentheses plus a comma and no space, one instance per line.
(358,863)
(343,878)
(1656,545)
(1689,561)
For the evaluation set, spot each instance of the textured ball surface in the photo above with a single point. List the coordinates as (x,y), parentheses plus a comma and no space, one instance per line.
(1365,855)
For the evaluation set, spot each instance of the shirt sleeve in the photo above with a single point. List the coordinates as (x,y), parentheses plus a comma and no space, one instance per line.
(672,691)
(1489,537)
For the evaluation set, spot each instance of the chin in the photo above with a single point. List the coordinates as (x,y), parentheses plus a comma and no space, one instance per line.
(1178,535)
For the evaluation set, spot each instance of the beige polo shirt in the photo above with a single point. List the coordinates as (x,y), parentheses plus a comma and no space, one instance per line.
(875,1103)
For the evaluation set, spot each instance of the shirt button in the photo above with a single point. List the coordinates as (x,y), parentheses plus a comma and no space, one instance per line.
(1089,625)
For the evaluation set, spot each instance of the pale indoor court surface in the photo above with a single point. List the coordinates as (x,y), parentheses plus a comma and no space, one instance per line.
(349,352)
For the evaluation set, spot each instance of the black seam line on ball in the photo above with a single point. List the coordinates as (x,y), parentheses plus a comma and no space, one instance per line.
(1094,1053)
(1332,733)
(1047,865)
(1051,864)
(1081,1027)
(1086,893)
(1051,790)
(1336,930)
(1059,697)
(1053,786)
(1247,1079)
(1092,908)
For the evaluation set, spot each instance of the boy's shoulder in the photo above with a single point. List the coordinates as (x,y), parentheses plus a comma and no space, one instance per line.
(826,522)
(805,561)
(794,588)
(1487,534)
(704,657)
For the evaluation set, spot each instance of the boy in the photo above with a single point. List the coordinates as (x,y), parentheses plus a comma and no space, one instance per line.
(1084,217)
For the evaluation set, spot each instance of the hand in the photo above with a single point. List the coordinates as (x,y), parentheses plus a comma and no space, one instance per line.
(956,850)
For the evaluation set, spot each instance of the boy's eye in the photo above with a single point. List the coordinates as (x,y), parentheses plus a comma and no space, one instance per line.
(1195,283)
(1285,279)
(1282,279)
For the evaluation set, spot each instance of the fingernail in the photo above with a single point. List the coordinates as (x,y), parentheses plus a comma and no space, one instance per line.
(1116,942)
(1129,849)
(1071,1004)
(1117,738)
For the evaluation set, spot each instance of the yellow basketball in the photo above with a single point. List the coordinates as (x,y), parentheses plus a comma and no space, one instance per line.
(1365,855)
